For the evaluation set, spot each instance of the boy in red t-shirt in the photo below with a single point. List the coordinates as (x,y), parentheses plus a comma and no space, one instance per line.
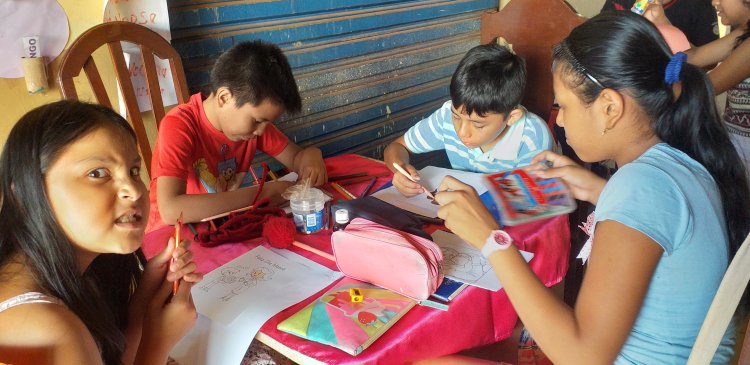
(208,144)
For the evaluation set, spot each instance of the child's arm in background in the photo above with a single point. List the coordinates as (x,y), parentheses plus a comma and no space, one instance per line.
(172,199)
(734,68)
(397,153)
(709,54)
(306,162)
(733,65)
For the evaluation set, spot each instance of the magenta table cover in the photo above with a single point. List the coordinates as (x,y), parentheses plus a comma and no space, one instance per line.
(476,317)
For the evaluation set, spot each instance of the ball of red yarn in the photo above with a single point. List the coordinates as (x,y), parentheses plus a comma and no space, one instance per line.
(279,231)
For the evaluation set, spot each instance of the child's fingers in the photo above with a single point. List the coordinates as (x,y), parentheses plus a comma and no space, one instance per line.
(451,183)
(193,277)
(181,271)
(546,156)
(166,254)
(412,171)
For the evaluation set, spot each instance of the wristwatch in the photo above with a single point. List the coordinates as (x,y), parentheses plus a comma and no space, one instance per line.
(497,241)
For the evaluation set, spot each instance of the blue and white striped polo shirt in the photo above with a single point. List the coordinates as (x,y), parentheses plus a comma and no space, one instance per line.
(524,140)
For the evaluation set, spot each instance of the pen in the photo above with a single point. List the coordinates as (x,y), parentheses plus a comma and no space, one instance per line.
(403,172)
(177,229)
(347,195)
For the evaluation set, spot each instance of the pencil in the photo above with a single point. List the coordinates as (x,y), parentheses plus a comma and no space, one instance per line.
(272,175)
(403,172)
(344,177)
(177,229)
(354,180)
(227,213)
(369,186)
(347,195)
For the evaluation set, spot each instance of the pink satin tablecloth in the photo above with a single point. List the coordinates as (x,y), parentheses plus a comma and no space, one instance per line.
(476,317)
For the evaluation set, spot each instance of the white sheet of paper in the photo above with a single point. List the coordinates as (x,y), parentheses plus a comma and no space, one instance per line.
(464,263)
(255,286)
(431,177)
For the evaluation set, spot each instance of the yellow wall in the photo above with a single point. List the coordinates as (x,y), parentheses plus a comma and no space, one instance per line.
(15,101)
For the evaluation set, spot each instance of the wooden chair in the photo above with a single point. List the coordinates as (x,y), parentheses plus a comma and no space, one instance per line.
(533,27)
(79,57)
(722,309)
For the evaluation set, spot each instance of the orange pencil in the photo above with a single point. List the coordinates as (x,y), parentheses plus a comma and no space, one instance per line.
(347,195)
(177,229)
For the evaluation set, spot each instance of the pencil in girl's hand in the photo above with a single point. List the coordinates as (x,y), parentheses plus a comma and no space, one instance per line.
(177,229)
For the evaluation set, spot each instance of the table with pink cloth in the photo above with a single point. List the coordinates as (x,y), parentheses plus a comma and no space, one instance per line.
(476,317)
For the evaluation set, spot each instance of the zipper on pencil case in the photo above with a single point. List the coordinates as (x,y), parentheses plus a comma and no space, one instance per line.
(415,246)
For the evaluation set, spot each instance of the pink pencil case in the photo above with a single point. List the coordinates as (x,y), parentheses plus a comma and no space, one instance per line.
(398,261)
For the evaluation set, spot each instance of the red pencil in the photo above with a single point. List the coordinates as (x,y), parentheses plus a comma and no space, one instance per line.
(177,229)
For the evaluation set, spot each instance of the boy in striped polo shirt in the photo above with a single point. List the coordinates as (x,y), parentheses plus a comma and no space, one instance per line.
(483,128)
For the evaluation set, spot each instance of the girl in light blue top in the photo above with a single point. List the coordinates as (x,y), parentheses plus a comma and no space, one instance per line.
(666,224)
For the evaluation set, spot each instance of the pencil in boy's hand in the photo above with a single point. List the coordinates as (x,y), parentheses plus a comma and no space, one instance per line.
(177,229)
(408,176)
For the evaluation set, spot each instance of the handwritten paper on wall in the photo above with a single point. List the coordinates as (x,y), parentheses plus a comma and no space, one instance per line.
(153,15)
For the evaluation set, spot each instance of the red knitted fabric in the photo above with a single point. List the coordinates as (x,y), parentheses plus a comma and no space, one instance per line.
(243,225)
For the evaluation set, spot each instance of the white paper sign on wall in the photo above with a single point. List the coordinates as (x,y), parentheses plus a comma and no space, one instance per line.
(152,14)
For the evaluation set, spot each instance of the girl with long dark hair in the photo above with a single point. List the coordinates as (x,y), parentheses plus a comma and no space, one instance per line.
(667,223)
(73,289)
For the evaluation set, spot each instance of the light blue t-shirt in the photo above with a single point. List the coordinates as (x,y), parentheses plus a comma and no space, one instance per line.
(672,199)
(524,140)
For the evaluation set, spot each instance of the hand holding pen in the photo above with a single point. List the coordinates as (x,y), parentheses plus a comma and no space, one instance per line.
(407,181)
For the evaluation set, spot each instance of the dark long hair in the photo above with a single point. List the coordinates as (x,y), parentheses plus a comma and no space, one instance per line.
(622,51)
(746,34)
(29,228)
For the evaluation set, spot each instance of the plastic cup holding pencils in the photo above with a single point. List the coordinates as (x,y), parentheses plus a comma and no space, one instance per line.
(308,207)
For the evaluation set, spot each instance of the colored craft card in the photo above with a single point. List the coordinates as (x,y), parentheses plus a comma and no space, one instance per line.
(335,319)
(522,196)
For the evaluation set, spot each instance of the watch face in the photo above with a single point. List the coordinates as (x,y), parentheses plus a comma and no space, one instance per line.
(501,237)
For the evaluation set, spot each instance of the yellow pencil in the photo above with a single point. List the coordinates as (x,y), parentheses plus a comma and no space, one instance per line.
(177,229)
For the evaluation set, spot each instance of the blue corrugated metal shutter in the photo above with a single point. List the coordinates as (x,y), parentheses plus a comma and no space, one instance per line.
(367,69)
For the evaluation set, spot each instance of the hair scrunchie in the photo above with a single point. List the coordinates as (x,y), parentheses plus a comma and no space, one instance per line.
(672,72)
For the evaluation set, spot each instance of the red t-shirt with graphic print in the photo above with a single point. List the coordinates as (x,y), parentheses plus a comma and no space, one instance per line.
(188,147)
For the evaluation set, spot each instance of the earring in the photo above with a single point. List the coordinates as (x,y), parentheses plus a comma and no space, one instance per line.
(604,131)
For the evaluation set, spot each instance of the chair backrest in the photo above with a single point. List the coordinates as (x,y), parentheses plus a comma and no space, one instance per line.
(79,57)
(533,27)
(722,309)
